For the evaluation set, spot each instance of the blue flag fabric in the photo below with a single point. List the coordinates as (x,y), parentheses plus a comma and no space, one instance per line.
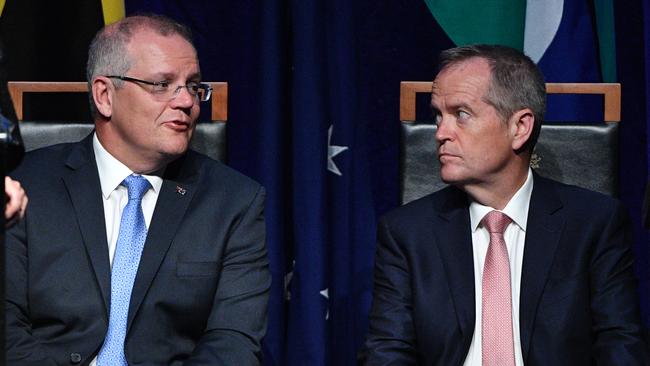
(333,213)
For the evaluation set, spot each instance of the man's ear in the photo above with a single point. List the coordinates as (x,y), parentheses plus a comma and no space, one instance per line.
(102,92)
(522,123)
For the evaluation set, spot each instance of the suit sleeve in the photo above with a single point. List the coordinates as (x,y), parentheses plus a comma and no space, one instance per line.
(21,347)
(391,335)
(237,322)
(614,301)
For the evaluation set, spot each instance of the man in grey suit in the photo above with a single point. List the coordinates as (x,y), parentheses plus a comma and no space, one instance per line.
(175,274)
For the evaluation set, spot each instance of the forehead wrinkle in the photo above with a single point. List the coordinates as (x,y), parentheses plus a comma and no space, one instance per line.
(150,49)
(453,88)
(455,99)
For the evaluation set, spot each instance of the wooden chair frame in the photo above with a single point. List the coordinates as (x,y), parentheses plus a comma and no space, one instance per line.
(611,92)
(17,89)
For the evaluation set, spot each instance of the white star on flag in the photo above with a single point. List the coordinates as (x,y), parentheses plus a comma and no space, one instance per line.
(326,295)
(332,151)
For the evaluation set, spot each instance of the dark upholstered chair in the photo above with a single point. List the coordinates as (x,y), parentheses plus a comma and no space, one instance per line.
(209,138)
(580,153)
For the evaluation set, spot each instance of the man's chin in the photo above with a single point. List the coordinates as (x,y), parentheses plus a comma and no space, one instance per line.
(173,152)
(449,175)
(455,178)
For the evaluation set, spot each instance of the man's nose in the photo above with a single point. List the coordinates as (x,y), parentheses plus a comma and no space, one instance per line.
(184,98)
(444,131)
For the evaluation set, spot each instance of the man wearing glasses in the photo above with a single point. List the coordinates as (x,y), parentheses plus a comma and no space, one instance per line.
(136,250)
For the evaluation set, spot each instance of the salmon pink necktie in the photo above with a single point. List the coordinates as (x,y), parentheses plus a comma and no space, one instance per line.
(496,331)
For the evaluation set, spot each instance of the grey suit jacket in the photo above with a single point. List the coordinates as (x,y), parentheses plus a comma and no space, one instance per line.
(200,296)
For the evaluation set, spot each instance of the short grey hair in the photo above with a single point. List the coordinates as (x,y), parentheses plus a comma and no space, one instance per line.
(108,55)
(516,82)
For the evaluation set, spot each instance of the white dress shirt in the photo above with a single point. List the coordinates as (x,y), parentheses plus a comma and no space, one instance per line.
(515,236)
(115,196)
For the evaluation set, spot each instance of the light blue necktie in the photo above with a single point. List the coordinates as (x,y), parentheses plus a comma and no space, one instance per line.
(130,242)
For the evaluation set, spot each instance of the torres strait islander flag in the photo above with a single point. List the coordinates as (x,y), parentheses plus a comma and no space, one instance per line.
(571,41)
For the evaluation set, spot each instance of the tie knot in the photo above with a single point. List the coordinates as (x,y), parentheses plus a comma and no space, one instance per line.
(137,185)
(496,222)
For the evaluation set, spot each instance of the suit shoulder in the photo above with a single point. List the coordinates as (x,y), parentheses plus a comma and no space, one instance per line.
(224,176)
(584,206)
(423,207)
(582,198)
(39,163)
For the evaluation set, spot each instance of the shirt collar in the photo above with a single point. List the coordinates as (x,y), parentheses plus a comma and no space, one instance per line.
(112,171)
(516,209)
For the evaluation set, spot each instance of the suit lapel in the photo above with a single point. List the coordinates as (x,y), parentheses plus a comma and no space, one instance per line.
(179,186)
(455,244)
(544,228)
(85,193)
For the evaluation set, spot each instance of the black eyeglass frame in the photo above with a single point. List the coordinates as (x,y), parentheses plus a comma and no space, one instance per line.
(207,89)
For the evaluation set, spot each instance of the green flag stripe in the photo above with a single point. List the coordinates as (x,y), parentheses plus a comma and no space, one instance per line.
(490,21)
(606,40)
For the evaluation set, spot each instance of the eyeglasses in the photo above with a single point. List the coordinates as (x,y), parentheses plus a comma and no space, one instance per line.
(163,90)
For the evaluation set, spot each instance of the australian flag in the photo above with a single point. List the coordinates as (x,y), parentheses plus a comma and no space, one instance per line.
(334,224)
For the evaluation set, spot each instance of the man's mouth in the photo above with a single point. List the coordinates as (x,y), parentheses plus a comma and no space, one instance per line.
(178,125)
(445,157)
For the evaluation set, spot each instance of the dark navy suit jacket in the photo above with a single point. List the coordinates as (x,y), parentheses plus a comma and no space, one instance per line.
(200,295)
(578,300)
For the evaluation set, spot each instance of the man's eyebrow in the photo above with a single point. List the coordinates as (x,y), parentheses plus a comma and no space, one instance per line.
(163,75)
(171,76)
(454,105)
(460,105)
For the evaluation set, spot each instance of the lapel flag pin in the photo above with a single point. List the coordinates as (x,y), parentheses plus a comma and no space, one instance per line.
(180,190)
